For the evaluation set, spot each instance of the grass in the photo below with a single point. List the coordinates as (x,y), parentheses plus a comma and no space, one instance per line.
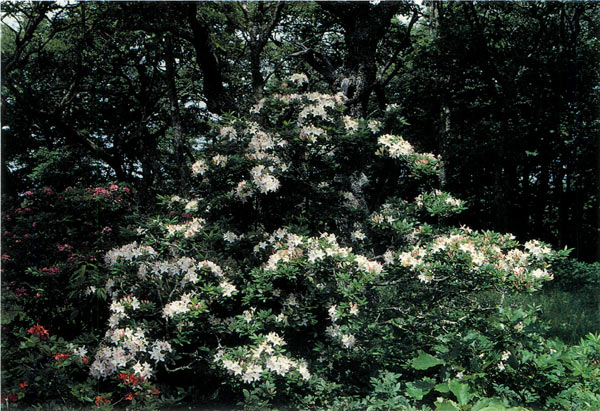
(571,314)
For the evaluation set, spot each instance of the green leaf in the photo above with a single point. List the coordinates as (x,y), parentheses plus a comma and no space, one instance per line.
(489,404)
(419,389)
(461,391)
(446,405)
(425,361)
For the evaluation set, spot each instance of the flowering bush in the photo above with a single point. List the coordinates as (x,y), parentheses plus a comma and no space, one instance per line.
(286,276)
(52,245)
(315,263)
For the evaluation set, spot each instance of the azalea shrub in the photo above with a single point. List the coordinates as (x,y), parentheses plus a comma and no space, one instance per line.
(317,262)
(315,257)
(53,244)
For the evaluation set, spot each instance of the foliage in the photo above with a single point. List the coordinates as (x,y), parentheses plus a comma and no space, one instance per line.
(304,250)
(125,91)
(52,303)
(277,284)
(505,107)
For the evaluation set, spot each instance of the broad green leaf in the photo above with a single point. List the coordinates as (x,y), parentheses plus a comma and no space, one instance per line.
(446,405)
(425,361)
(486,403)
(419,389)
(461,391)
(443,388)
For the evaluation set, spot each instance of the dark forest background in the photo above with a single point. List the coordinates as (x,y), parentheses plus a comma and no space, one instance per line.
(507,93)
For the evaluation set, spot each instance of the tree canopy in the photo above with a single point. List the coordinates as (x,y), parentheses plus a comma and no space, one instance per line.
(506,92)
(300,204)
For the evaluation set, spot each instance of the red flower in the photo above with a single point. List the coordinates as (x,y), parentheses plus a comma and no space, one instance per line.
(39,331)
(114,187)
(130,379)
(5,257)
(11,397)
(48,191)
(64,247)
(84,360)
(155,391)
(21,292)
(51,270)
(61,356)
(100,191)
(129,396)
(101,400)
(23,385)
(28,193)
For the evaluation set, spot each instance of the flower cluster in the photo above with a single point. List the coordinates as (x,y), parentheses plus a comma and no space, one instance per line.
(101,400)
(176,307)
(171,268)
(258,360)
(229,133)
(350,124)
(189,229)
(264,181)
(232,237)
(336,330)
(397,148)
(130,379)
(481,252)
(389,215)
(61,356)
(128,252)
(312,133)
(299,78)
(79,352)
(124,350)
(438,202)
(199,167)
(316,106)
(394,146)
(219,160)
(39,331)
(111,192)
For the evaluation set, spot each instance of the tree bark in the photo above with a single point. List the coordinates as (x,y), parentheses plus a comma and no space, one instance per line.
(364,26)
(206,58)
(178,138)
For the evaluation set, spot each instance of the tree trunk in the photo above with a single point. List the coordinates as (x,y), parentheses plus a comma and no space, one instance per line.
(206,58)
(178,140)
(364,26)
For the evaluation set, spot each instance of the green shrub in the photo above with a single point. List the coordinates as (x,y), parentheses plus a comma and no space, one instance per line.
(314,264)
